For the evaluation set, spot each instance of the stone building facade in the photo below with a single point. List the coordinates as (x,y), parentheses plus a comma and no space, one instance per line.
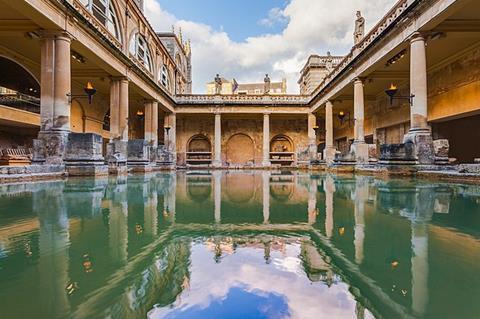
(426,52)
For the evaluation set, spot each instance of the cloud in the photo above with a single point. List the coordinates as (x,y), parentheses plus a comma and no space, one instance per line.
(310,27)
(275,16)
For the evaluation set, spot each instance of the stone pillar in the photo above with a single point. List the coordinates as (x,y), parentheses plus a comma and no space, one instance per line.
(171,135)
(117,148)
(418,83)
(329,188)
(266,140)
(266,196)
(217,162)
(419,134)
(55,85)
(359,148)
(329,152)
(151,123)
(312,136)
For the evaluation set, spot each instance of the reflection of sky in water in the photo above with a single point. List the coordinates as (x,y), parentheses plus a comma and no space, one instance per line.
(243,285)
(238,303)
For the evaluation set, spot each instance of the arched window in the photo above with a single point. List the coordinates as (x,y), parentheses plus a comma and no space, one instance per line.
(104,12)
(164,77)
(139,48)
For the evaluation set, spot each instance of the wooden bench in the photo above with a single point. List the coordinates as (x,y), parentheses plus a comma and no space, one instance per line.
(15,157)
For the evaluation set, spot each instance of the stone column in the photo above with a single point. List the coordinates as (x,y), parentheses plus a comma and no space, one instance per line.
(171,136)
(359,148)
(217,162)
(117,148)
(55,85)
(312,136)
(419,133)
(329,152)
(266,140)
(151,123)
(418,83)
(119,109)
(329,188)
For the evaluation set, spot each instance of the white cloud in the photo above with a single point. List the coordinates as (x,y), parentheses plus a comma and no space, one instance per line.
(275,16)
(311,27)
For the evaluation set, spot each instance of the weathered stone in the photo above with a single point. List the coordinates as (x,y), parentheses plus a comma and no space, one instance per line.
(49,148)
(441,147)
(423,146)
(138,154)
(397,154)
(83,155)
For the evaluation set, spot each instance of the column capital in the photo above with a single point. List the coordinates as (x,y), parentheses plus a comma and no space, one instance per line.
(56,34)
(359,80)
(119,78)
(416,36)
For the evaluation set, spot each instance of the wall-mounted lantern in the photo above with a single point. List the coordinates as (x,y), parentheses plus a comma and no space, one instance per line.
(89,93)
(392,92)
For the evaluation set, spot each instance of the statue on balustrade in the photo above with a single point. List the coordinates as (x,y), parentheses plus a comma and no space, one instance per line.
(218,85)
(359,32)
(266,87)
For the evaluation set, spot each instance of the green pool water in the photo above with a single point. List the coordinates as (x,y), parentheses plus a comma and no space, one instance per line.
(239,244)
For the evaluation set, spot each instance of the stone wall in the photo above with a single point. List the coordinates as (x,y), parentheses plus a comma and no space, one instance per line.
(241,137)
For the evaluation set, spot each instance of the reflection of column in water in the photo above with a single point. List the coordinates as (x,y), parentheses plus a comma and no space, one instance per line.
(266,196)
(170,197)
(53,244)
(329,188)
(361,195)
(217,194)
(419,267)
(151,213)
(359,311)
(312,202)
(118,224)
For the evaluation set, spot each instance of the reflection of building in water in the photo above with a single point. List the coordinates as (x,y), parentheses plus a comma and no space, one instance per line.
(223,246)
(316,268)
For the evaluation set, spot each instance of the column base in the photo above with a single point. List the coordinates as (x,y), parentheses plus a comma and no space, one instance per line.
(49,147)
(266,163)
(117,157)
(422,140)
(82,169)
(329,155)
(359,152)
(217,164)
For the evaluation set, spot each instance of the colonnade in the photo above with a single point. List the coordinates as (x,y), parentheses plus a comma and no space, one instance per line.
(56,98)
(419,130)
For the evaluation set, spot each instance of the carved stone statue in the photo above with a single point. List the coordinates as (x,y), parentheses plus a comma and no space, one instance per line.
(218,84)
(266,86)
(329,62)
(359,32)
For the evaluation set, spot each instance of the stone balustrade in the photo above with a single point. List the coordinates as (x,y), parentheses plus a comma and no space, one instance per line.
(242,99)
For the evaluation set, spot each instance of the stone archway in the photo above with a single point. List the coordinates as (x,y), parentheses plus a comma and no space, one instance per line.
(240,150)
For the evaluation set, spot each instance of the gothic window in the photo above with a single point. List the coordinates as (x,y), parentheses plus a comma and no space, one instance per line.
(164,77)
(139,49)
(103,10)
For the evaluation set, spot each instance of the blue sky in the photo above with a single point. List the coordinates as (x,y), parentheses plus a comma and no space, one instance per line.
(240,19)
